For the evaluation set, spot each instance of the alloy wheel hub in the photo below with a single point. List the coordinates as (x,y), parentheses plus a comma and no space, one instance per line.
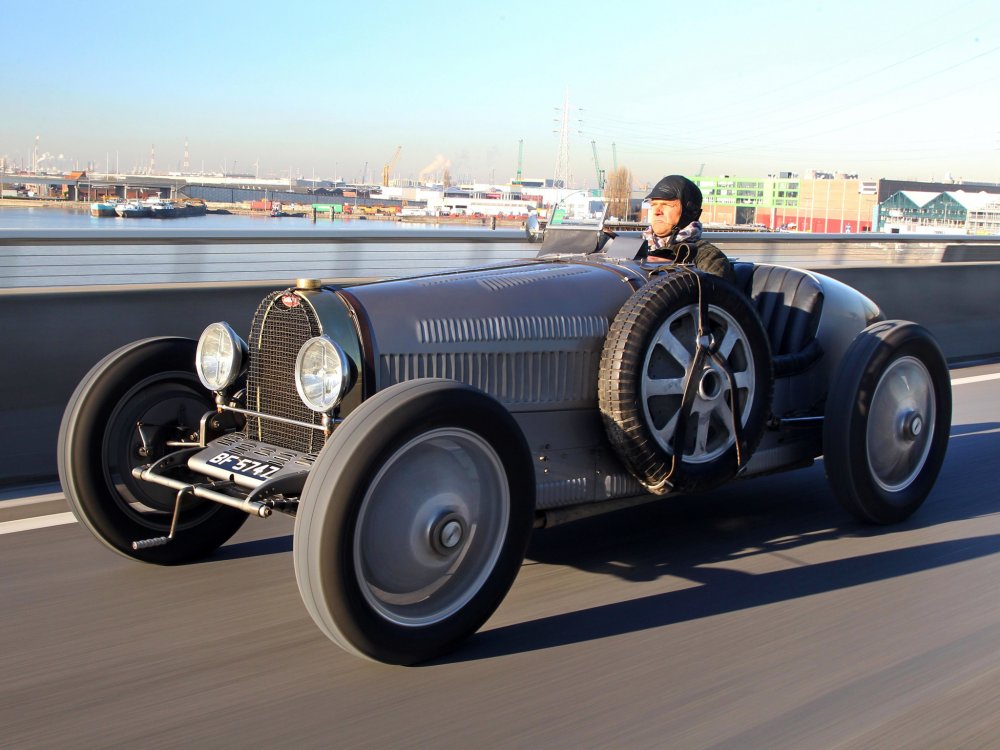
(710,386)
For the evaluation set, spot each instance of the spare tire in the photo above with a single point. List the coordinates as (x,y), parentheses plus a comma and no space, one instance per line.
(658,383)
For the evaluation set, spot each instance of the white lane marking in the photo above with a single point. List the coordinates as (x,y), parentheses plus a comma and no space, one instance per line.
(34,500)
(975,379)
(38,522)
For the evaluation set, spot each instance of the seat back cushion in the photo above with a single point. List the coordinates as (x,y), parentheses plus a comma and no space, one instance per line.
(789,302)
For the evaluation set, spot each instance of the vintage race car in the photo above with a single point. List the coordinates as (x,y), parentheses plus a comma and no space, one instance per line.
(419,428)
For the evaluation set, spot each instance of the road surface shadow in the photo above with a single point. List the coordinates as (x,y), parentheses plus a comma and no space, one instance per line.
(681,537)
(765,514)
(721,591)
(271,546)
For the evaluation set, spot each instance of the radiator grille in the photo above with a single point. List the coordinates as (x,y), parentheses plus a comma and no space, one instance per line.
(277,334)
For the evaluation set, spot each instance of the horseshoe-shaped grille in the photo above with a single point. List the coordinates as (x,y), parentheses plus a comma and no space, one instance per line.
(279,329)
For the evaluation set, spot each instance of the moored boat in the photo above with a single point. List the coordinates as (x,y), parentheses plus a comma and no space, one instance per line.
(133,210)
(195,207)
(103,208)
(164,209)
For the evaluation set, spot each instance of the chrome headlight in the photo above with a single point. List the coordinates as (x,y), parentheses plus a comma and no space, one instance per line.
(322,374)
(220,357)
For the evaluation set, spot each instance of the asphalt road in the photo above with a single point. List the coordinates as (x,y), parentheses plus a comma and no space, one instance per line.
(760,616)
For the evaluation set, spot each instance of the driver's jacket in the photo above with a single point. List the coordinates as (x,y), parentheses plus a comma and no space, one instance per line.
(702,254)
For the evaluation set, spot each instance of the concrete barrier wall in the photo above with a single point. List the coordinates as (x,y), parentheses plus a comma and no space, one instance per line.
(959,303)
(52,336)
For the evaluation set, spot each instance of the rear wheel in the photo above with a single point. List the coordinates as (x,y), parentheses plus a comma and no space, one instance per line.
(152,384)
(888,415)
(414,521)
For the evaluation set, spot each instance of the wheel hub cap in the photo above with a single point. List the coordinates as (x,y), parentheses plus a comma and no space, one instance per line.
(447,533)
(911,425)
(901,424)
(431,527)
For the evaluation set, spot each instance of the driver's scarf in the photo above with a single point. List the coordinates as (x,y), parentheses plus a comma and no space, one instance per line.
(690,234)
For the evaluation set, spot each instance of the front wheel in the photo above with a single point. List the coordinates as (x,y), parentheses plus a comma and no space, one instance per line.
(888,415)
(151,383)
(414,521)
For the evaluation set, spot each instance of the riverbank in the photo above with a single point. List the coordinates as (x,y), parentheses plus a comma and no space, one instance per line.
(300,211)
(466,220)
(43,203)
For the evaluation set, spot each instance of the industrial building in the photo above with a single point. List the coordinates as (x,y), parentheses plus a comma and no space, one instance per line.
(838,202)
(949,212)
(821,202)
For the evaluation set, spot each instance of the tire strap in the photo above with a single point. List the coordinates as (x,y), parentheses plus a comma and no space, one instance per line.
(703,350)
(737,423)
(683,415)
(687,400)
(713,354)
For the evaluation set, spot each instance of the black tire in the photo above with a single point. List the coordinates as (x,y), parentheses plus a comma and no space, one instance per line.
(154,382)
(645,364)
(417,461)
(888,415)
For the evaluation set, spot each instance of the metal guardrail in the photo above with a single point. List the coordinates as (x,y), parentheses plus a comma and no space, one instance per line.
(72,257)
(46,258)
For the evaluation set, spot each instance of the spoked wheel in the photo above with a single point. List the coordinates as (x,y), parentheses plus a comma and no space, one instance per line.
(652,378)
(414,521)
(121,416)
(887,421)
(664,375)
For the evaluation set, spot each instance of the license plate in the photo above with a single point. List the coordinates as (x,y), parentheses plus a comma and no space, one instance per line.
(244,466)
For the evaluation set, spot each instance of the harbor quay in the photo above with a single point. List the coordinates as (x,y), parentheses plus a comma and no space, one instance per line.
(817,202)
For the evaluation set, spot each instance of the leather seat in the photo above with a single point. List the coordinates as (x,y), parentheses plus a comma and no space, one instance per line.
(789,302)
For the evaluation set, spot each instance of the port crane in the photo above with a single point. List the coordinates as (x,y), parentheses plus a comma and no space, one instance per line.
(389,166)
(597,167)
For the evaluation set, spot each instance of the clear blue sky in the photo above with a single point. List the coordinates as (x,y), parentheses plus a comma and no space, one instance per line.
(887,89)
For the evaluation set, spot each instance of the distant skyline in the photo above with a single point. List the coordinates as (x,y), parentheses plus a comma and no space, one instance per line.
(902,90)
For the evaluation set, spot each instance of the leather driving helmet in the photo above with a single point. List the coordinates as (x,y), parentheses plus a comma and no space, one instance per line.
(676,187)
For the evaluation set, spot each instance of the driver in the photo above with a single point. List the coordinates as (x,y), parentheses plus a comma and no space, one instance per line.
(674,234)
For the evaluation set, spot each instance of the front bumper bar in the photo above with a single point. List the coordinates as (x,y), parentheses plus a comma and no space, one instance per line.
(259,501)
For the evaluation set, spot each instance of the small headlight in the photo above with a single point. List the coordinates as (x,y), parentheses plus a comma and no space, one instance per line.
(220,357)
(322,374)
